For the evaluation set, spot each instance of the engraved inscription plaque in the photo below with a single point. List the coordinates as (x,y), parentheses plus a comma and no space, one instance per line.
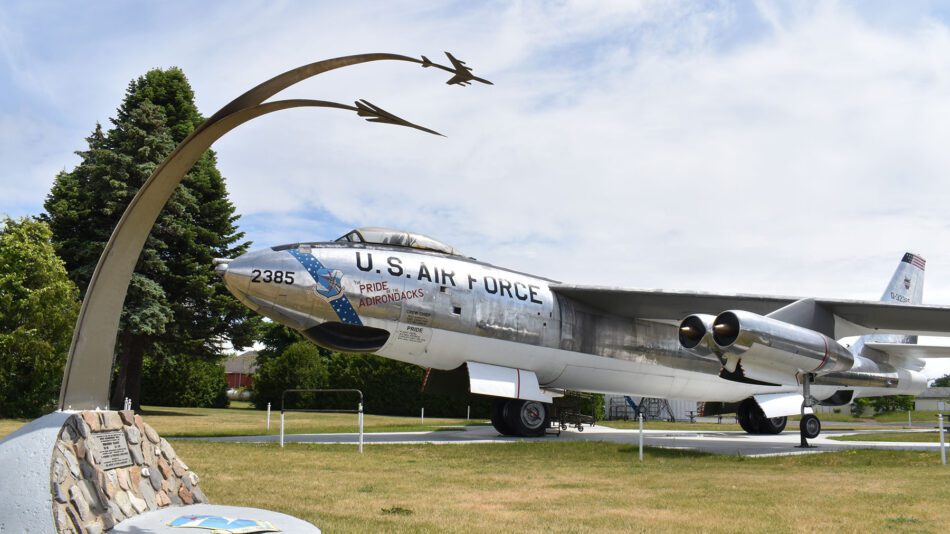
(115,450)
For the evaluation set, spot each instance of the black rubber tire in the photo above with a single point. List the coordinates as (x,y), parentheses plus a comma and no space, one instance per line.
(810,425)
(744,413)
(774,425)
(498,417)
(527,418)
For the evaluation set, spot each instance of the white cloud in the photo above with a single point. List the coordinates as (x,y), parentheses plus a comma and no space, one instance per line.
(780,149)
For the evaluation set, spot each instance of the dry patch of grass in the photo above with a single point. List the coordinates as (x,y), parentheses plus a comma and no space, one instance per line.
(7,426)
(556,486)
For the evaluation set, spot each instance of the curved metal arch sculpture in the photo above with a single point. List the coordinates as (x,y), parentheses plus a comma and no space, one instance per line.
(88,371)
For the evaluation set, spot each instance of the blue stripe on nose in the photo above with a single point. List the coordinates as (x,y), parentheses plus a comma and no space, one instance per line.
(334,295)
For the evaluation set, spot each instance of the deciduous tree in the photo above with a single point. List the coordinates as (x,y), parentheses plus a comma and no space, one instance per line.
(38,306)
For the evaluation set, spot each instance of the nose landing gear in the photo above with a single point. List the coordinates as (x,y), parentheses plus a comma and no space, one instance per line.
(810,425)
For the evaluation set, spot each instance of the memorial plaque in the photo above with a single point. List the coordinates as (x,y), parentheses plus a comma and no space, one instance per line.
(115,450)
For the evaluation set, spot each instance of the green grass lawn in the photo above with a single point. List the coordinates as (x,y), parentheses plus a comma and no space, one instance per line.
(558,486)
(244,421)
(679,425)
(832,424)
(550,485)
(249,422)
(916,437)
(923,417)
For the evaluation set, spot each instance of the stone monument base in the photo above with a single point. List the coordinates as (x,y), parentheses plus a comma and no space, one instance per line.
(103,471)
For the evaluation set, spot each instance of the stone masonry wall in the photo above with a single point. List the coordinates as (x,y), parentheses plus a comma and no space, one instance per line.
(100,476)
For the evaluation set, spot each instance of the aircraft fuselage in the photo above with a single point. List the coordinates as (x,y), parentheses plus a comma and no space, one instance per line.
(440,311)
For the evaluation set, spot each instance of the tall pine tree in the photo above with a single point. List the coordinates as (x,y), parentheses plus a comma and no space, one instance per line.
(176,306)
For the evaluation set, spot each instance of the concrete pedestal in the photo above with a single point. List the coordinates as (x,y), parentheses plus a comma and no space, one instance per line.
(25,458)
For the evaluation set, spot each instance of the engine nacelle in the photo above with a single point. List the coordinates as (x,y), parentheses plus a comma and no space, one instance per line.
(774,351)
(695,335)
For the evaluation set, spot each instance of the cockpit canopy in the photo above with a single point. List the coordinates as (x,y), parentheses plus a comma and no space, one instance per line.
(399,238)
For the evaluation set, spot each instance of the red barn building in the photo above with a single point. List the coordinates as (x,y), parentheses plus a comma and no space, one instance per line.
(239,369)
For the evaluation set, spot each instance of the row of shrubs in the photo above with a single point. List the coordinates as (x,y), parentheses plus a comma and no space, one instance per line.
(390,387)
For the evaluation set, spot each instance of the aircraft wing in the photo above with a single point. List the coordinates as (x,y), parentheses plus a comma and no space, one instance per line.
(907,351)
(852,317)
(459,79)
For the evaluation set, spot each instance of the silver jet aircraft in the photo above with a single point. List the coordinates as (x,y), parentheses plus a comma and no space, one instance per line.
(524,340)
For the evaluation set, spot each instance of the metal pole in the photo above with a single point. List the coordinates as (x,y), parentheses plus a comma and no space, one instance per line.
(361,427)
(268,417)
(943,445)
(282,428)
(468,412)
(641,437)
(422,417)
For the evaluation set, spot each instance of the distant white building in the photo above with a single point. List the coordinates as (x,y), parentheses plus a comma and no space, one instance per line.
(929,399)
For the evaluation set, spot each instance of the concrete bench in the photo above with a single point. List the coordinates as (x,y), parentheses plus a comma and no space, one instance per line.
(105,471)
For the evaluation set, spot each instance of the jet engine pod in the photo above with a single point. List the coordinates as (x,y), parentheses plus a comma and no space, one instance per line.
(762,342)
(695,334)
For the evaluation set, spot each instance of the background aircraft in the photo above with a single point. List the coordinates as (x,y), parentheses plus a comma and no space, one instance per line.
(524,340)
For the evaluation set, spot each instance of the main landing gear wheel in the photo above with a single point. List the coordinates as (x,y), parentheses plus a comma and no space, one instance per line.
(810,426)
(512,417)
(753,420)
(498,417)
(527,418)
(744,415)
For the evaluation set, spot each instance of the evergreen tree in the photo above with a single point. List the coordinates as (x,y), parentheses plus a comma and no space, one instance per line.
(38,306)
(176,306)
(942,382)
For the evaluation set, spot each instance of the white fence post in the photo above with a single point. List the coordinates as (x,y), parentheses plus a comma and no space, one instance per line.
(361,427)
(468,412)
(268,417)
(641,438)
(282,429)
(943,443)
(422,417)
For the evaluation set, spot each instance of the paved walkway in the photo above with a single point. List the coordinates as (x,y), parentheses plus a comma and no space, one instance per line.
(717,442)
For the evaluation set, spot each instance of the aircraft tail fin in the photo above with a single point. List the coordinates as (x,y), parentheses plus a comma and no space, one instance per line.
(907,284)
(906,287)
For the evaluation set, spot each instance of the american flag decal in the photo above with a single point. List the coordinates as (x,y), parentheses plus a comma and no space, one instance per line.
(914,260)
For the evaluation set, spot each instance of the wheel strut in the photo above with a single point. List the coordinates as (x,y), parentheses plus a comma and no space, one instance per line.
(805,424)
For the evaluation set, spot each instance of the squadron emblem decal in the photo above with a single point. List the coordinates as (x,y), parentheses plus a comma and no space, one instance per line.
(329,286)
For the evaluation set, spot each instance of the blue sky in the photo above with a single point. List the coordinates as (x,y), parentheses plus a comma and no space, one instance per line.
(793,148)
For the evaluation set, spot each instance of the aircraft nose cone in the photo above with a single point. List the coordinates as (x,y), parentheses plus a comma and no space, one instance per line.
(241,273)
